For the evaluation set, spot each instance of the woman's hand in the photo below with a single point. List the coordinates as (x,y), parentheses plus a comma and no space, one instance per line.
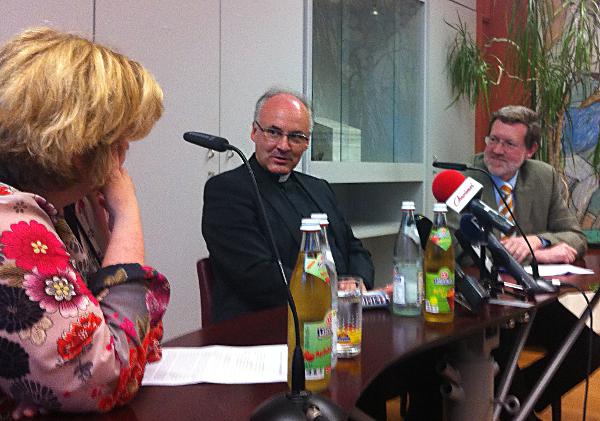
(27,409)
(119,196)
(126,243)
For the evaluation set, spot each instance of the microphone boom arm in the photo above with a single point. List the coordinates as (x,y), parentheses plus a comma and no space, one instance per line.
(298,380)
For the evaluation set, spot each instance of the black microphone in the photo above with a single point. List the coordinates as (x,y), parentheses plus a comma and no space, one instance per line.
(476,234)
(424,225)
(298,403)
(216,143)
(464,167)
(450,165)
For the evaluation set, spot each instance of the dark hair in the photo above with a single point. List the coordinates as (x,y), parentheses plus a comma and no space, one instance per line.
(512,114)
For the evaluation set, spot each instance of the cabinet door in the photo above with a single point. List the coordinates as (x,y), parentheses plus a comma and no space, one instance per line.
(65,15)
(180,46)
(261,46)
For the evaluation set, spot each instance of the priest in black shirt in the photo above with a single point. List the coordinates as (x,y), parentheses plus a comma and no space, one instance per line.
(246,274)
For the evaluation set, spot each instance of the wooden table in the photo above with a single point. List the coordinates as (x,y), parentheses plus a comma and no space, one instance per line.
(387,339)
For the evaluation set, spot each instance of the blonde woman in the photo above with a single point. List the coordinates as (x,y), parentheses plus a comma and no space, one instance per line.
(80,314)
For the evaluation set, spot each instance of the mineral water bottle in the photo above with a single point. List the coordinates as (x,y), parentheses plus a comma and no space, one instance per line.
(408,266)
(439,270)
(330,265)
(311,289)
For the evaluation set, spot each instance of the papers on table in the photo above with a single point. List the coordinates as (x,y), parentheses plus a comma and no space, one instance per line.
(556,270)
(218,364)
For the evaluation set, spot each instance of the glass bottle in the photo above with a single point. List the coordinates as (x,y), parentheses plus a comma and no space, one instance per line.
(408,266)
(331,270)
(310,287)
(438,305)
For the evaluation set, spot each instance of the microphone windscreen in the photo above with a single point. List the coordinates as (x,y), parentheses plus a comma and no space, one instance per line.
(208,141)
(445,183)
(470,229)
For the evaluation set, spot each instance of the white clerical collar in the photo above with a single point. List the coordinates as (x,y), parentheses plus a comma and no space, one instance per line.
(284,177)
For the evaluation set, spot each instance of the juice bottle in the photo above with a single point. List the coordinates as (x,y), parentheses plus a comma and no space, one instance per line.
(310,287)
(438,305)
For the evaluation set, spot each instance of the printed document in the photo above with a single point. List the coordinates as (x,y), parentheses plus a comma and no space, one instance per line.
(218,364)
(557,270)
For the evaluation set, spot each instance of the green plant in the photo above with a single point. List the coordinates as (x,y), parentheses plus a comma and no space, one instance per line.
(552,51)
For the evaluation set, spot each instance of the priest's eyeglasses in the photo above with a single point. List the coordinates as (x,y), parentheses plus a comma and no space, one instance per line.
(274,135)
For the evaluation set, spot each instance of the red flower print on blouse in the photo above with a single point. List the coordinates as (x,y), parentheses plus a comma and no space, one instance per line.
(63,291)
(33,246)
(79,335)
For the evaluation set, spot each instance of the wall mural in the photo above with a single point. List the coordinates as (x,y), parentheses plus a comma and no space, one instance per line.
(581,135)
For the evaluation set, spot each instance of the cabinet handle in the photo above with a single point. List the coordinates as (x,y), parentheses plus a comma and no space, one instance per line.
(229,154)
(210,153)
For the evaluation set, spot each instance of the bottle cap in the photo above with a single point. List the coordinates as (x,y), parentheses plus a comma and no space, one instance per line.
(321,217)
(440,207)
(408,205)
(309,224)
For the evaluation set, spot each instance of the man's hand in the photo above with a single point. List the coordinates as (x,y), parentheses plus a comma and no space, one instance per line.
(559,253)
(517,246)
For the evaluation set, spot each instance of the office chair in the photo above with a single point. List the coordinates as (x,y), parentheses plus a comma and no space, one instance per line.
(205,281)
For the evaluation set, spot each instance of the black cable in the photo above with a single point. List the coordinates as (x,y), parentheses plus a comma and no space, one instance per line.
(590,345)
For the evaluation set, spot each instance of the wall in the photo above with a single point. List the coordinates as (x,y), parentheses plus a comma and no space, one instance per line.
(213,58)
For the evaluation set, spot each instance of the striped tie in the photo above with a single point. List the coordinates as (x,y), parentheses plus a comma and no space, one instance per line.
(506,190)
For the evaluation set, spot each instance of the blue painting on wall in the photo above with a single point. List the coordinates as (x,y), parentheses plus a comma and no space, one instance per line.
(580,136)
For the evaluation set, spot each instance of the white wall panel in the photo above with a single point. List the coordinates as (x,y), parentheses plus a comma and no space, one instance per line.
(261,46)
(449,131)
(180,46)
(65,15)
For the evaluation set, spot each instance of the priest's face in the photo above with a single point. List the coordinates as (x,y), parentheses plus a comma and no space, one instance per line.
(281,133)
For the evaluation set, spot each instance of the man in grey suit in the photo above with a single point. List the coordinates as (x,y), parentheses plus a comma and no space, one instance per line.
(537,190)
(536,194)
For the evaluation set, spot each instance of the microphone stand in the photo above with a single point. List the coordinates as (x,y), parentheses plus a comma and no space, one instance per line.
(297,404)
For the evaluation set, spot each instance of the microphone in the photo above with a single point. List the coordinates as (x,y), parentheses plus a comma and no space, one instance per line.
(451,166)
(464,167)
(216,143)
(462,193)
(476,234)
(424,225)
(297,404)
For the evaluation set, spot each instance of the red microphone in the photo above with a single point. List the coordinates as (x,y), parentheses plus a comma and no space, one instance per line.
(446,183)
(461,195)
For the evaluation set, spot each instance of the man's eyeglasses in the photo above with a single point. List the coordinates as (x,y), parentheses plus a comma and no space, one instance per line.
(506,144)
(275,135)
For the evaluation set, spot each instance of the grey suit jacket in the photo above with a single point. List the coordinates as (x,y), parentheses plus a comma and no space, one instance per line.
(540,207)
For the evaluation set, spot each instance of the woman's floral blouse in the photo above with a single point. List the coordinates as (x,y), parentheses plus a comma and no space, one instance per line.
(73,336)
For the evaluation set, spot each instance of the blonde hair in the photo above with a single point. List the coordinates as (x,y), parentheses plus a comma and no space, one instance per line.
(64,97)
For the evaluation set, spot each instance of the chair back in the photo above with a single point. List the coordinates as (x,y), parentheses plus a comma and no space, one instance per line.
(205,281)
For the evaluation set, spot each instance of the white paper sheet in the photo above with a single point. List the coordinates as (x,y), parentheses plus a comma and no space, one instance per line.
(556,270)
(218,364)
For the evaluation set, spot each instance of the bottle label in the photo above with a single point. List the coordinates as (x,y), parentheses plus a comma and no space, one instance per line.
(408,284)
(317,348)
(316,267)
(439,291)
(441,237)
